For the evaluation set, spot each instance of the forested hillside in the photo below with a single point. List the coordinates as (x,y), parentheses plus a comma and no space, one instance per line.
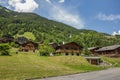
(18,24)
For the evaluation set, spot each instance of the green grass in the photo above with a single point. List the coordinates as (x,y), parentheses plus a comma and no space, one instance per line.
(114,61)
(23,66)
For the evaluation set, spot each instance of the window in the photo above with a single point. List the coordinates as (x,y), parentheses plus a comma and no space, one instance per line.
(67,48)
(77,54)
(66,54)
(72,54)
(75,48)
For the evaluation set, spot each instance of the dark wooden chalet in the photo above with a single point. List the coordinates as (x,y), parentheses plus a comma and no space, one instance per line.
(6,39)
(28,46)
(71,48)
(111,51)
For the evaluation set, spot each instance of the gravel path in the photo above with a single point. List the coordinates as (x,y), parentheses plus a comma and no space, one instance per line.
(109,74)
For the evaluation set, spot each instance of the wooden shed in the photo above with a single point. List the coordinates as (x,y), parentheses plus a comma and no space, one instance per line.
(93,60)
(67,49)
(110,51)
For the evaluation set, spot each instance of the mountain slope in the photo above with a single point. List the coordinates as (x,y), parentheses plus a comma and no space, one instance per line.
(18,23)
(43,29)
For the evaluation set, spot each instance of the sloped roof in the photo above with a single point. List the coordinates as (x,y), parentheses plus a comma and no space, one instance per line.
(21,40)
(68,44)
(92,48)
(54,45)
(107,48)
(92,57)
(35,44)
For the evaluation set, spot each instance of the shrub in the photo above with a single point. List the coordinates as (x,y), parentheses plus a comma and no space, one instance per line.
(4,49)
(86,52)
(13,44)
(44,54)
(45,50)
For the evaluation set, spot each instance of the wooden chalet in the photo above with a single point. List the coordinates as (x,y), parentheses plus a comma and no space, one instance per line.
(28,46)
(110,51)
(67,49)
(6,39)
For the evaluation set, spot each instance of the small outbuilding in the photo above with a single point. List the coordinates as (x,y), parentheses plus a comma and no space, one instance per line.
(94,60)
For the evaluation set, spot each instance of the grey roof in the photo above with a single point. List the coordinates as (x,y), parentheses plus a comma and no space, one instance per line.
(107,48)
(92,57)
(91,48)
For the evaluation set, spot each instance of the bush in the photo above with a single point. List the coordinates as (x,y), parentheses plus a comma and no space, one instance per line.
(5,53)
(44,54)
(45,50)
(4,49)
(13,44)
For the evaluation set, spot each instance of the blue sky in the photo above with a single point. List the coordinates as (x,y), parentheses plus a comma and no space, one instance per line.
(99,15)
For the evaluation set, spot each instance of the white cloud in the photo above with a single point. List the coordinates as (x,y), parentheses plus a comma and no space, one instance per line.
(66,17)
(48,1)
(110,17)
(27,6)
(62,15)
(61,1)
(116,33)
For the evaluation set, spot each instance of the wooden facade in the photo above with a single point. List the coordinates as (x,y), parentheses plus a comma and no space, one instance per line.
(110,51)
(94,60)
(28,46)
(71,48)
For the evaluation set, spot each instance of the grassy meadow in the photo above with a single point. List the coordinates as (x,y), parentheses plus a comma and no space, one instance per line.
(29,65)
(114,61)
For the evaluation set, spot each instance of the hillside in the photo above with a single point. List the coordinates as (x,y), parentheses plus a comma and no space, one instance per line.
(43,29)
(18,23)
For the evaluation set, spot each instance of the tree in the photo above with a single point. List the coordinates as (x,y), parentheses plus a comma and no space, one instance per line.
(45,50)
(86,51)
(4,49)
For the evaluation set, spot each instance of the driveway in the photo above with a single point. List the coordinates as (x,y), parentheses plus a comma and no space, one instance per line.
(109,74)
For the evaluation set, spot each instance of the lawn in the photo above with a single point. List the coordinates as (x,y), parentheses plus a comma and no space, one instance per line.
(24,66)
(114,61)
